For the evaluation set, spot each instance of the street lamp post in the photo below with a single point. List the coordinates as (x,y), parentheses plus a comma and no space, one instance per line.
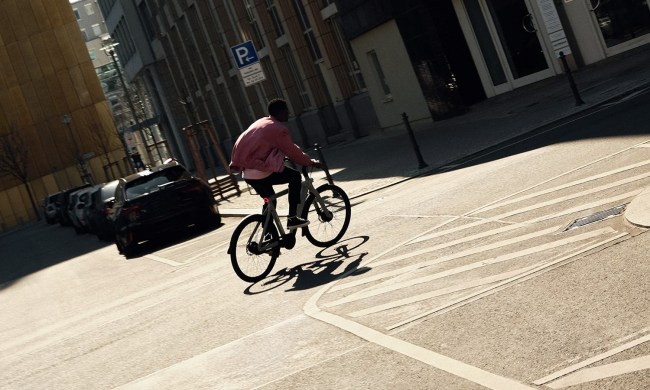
(108,48)
(85,175)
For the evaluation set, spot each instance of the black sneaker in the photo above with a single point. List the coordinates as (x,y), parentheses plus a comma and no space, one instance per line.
(296,222)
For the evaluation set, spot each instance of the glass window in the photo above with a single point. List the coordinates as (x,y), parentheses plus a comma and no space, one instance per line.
(90,9)
(77,14)
(97,29)
(307,31)
(277,23)
(374,61)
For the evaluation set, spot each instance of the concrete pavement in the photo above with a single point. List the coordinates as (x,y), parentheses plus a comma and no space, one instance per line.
(380,160)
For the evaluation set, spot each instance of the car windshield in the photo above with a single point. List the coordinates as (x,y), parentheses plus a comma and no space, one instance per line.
(154,181)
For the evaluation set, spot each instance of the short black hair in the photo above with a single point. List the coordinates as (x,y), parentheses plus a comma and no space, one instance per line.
(276,106)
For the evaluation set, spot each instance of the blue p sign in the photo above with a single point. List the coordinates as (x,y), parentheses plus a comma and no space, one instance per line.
(244,54)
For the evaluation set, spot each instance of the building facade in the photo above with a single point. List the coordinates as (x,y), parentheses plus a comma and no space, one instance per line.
(435,59)
(302,52)
(50,93)
(130,103)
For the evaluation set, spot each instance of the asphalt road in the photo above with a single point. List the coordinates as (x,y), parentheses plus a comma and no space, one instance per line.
(514,270)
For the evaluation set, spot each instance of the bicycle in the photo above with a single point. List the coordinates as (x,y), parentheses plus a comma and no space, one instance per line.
(255,243)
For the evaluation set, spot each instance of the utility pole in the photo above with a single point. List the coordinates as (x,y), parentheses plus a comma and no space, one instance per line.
(109,49)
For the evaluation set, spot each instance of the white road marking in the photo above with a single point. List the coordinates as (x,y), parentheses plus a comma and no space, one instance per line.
(567,185)
(443,259)
(520,278)
(592,360)
(440,292)
(436,360)
(470,238)
(602,372)
(163,260)
(472,266)
(210,249)
(590,191)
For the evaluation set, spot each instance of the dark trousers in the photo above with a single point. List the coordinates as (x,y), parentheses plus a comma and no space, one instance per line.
(264,187)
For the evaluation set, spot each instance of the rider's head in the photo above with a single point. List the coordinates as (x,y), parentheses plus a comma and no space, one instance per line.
(279,110)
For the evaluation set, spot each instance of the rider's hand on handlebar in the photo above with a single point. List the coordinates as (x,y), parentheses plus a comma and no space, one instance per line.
(316,163)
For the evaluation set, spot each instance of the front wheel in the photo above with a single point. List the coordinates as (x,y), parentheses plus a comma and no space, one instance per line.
(327,225)
(248,260)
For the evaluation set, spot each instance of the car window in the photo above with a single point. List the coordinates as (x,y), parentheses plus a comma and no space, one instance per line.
(154,181)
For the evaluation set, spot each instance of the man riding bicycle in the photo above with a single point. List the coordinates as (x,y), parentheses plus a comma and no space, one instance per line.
(259,154)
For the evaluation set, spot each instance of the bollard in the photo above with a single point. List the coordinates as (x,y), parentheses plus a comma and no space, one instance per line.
(321,158)
(572,83)
(416,148)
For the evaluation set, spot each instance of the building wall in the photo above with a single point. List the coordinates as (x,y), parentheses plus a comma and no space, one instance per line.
(46,73)
(405,94)
(304,58)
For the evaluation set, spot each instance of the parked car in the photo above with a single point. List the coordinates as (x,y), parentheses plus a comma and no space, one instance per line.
(102,201)
(80,209)
(51,206)
(157,200)
(64,216)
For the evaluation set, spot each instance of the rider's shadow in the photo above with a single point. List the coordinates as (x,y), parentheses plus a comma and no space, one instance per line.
(328,268)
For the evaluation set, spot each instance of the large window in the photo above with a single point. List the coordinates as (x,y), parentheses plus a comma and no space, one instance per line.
(97,29)
(381,77)
(295,75)
(307,31)
(275,17)
(90,9)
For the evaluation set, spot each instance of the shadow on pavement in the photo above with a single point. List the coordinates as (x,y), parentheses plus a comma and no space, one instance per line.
(332,263)
(40,246)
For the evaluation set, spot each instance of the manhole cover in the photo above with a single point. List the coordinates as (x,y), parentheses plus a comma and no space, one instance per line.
(596,217)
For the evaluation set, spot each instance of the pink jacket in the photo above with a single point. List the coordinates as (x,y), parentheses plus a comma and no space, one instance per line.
(264,145)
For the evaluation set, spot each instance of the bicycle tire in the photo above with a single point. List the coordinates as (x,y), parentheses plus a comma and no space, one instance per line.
(324,230)
(249,266)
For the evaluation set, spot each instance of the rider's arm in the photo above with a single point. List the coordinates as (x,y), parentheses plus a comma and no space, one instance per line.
(285,144)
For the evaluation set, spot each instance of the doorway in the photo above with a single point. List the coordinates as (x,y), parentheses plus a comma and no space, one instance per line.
(620,21)
(507,43)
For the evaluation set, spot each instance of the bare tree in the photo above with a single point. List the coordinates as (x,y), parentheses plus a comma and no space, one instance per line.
(14,160)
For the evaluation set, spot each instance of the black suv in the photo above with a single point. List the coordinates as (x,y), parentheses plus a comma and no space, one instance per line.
(157,200)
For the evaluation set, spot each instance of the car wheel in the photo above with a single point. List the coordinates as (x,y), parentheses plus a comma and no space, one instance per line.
(211,222)
(125,243)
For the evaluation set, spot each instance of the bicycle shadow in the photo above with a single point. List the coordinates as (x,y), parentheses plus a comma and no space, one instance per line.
(333,263)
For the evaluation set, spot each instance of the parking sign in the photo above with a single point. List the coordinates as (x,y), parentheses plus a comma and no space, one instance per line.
(248,63)
(244,54)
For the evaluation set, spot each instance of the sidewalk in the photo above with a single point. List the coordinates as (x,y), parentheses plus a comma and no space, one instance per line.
(370,163)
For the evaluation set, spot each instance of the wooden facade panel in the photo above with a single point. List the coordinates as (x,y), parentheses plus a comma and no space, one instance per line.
(30,59)
(14,12)
(56,92)
(31,94)
(43,100)
(54,56)
(80,87)
(41,17)
(65,46)
(21,109)
(52,10)
(42,57)
(77,43)
(29,19)
(17,63)
(92,82)
(7,76)
(6,31)
(68,90)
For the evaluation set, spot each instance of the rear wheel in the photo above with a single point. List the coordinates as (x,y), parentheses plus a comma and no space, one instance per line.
(328,225)
(125,242)
(248,261)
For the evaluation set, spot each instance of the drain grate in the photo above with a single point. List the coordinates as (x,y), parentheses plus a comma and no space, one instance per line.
(596,217)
